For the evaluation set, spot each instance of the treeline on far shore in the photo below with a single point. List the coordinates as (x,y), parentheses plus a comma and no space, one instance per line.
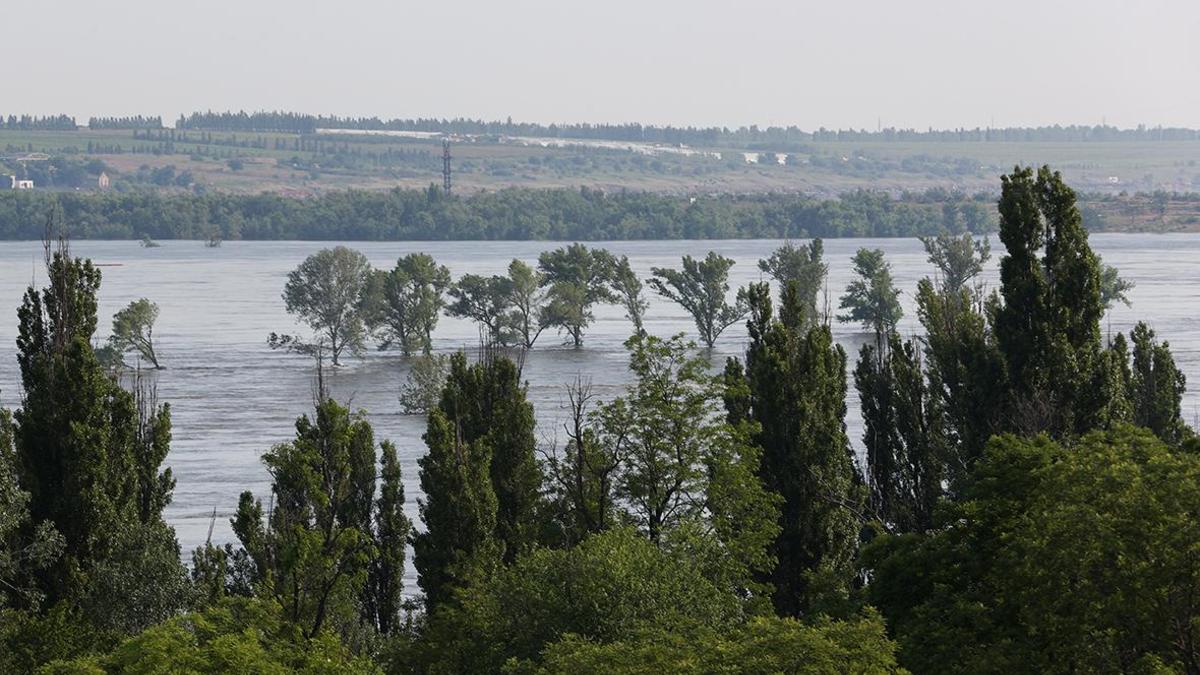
(582,214)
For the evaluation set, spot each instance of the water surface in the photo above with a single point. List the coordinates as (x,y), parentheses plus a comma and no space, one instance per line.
(232,397)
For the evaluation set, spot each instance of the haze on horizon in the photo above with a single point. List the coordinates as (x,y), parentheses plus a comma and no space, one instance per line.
(858,63)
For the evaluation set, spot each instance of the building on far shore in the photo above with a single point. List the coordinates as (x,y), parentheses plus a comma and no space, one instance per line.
(103,182)
(15,183)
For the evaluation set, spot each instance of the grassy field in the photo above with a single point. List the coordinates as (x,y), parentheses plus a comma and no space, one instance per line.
(307,165)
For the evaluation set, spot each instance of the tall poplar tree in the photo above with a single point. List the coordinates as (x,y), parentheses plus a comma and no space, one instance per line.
(1048,326)
(796,392)
(89,454)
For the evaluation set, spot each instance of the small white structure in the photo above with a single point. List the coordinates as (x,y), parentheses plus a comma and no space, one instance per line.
(22,184)
(103,181)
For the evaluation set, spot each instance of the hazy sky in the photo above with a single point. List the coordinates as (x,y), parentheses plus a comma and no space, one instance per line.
(836,63)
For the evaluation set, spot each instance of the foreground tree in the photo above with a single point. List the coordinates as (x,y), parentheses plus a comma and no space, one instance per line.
(1048,326)
(1056,560)
(402,306)
(326,292)
(793,386)
(329,553)
(872,299)
(1156,388)
(904,435)
(89,455)
(577,278)
(25,550)
(803,266)
(702,288)
(133,330)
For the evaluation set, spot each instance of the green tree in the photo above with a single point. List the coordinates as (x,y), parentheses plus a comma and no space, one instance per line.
(484,300)
(628,288)
(89,455)
(577,278)
(486,402)
(903,434)
(1156,388)
(802,265)
(326,292)
(237,635)
(1047,326)
(318,551)
(459,506)
(1113,288)
(761,645)
(527,318)
(133,330)
(659,431)
(793,387)
(702,288)
(610,587)
(1056,560)
(872,299)
(958,259)
(25,550)
(402,306)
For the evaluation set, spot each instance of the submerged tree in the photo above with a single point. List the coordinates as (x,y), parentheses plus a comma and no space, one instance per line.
(133,330)
(326,292)
(484,300)
(628,287)
(526,319)
(803,266)
(1113,288)
(958,259)
(577,278)
(702,288)
(872,299)
(402,306)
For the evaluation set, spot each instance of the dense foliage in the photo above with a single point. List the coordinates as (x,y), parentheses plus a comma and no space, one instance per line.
(515,213)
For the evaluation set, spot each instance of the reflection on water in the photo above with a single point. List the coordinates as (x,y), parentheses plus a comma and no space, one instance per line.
(232,397)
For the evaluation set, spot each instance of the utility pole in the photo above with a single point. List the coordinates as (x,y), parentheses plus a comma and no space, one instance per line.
(446,165)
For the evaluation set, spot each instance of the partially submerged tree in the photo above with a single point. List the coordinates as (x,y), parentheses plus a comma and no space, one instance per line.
(484,300)
(872,299)
(133,330)
(1113,288)
(577,278)
(702,288)
(803,266)
(402,306)
(422,389)
(326,292)
(526,319)
(958,259)
(628,288)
